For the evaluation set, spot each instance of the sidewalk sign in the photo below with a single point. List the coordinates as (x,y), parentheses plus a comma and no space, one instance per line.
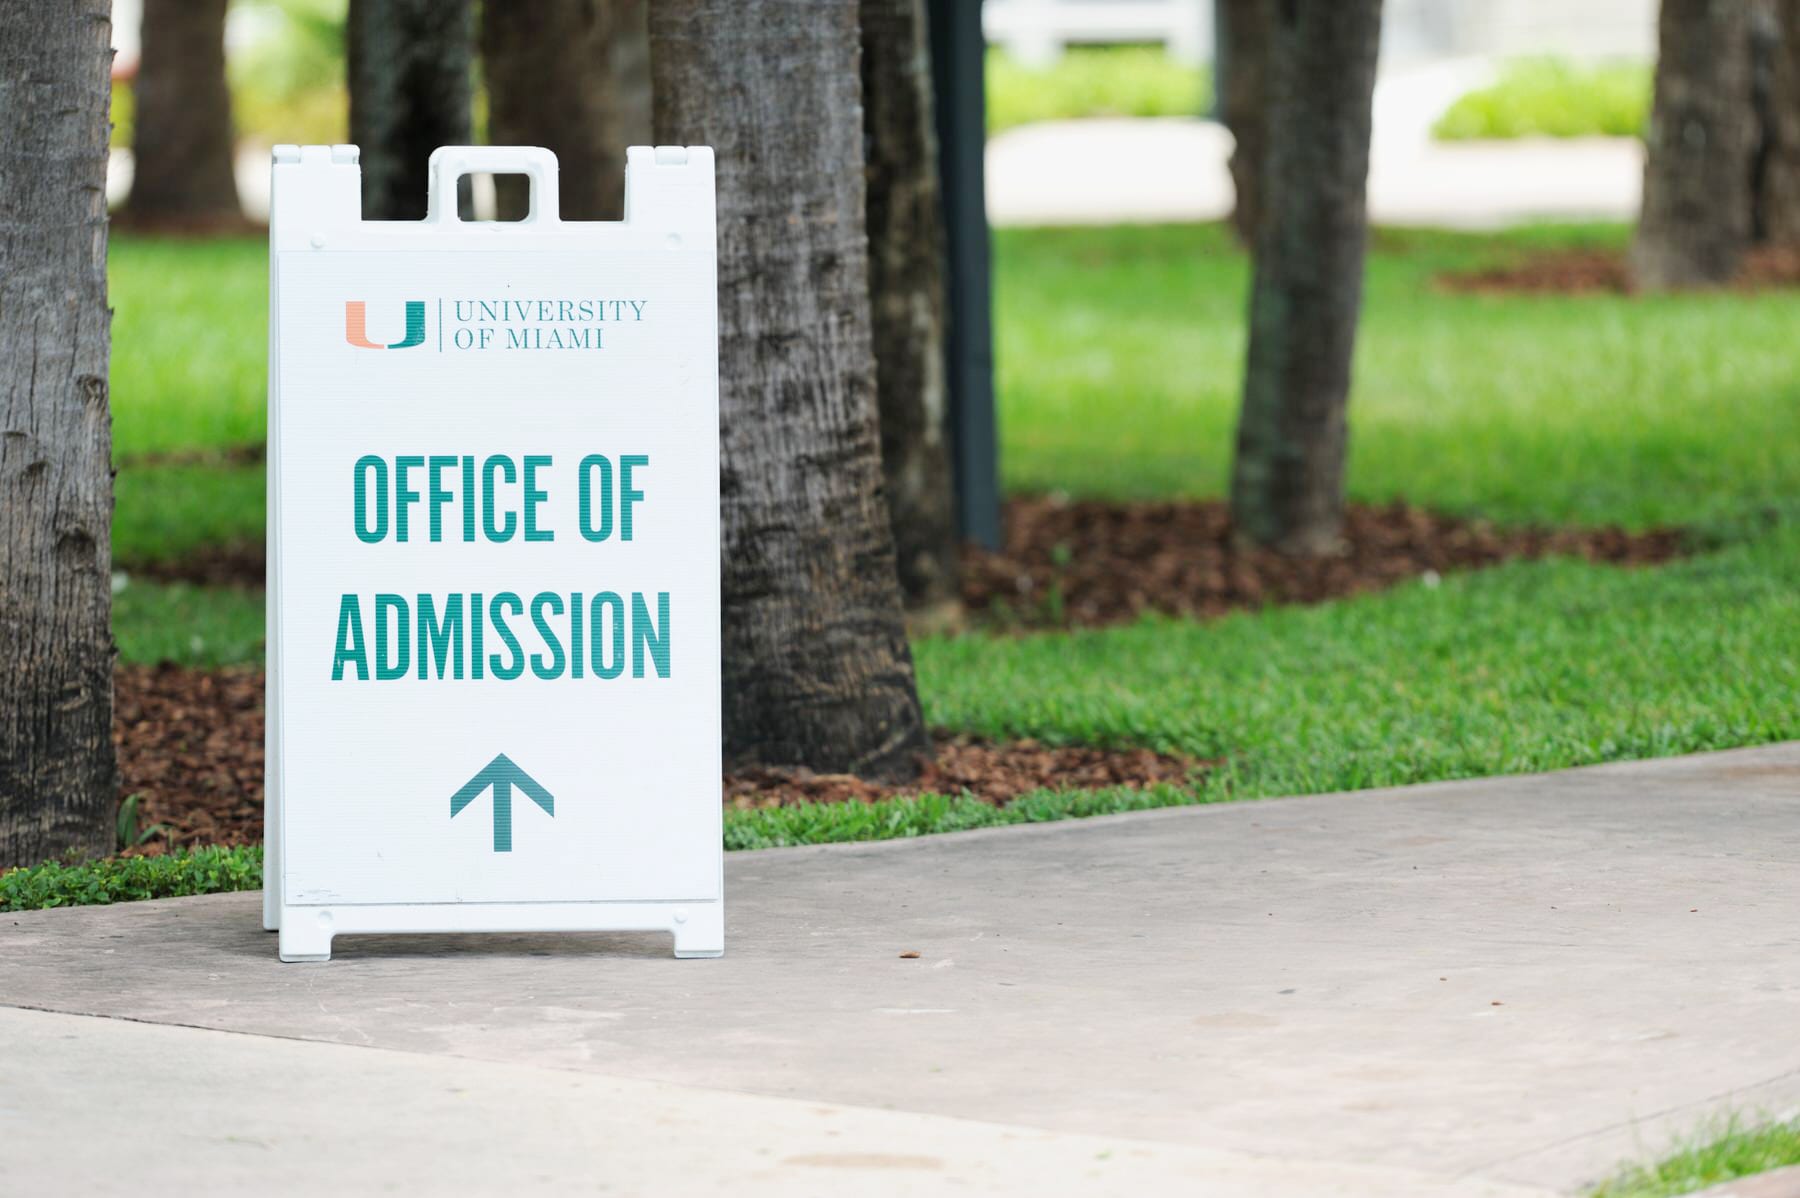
(493,621)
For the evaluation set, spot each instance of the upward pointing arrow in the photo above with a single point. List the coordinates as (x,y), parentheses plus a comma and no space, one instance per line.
(502,775)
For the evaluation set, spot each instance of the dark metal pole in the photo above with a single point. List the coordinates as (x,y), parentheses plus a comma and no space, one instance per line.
(958,57)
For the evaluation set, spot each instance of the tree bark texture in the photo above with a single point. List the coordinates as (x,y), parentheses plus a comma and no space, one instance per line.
(630,59)
(182,145)
(906,299)
(1780,207)
(554,80)
(58,783)
(409,64)
(1243,105)
(1287,486)
(1696,217)
(817,671)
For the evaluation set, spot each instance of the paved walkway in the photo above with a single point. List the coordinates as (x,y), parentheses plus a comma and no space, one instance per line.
(1491,987)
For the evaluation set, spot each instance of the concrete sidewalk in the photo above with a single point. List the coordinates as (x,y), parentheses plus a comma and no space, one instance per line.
(1102,172)
(1486,987)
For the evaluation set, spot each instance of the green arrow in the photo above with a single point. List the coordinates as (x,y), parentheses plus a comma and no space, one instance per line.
(502,775)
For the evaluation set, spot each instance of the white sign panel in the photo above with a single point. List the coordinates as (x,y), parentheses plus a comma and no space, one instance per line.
(493,559)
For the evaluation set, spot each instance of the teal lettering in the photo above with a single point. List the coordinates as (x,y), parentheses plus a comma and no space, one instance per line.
(441,641)
(575,635)
(366,533)
(516,665)
(533,497)
(554,668)
(440,495)
(504,465)
(477,663)
(627,496)
(585,497)
(468,504)
(350,645)
(644,635)
(389,667)
(404,496)
(603,601)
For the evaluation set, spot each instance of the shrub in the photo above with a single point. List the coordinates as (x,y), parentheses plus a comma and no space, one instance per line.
(1549,97)
(119,879)
(1094,81)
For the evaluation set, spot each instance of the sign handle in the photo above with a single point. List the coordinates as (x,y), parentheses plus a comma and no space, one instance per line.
(450,163)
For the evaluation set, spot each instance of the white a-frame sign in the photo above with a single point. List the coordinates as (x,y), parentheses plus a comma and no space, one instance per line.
(493,696)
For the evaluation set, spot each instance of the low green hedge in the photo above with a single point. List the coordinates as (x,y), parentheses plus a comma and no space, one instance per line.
(1552,97)
(1090,81)
(122,879)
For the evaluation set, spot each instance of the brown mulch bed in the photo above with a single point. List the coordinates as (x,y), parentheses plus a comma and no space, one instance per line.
(990,771)
(1091,563)
(210,565)
(232,455)
(191,745)
(1597,271)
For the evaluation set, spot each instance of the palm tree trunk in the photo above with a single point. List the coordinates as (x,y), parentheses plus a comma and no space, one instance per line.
(554,80)
(1243,105)
(182,145)
(1287,486)
(58,781)
(816,667)
(1781,163)
(1696,217)
(906,295)
(409,64)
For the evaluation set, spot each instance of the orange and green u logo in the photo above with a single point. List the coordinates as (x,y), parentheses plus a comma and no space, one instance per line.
(356,326)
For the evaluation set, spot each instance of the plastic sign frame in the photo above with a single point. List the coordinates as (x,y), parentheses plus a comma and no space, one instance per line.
(493,576)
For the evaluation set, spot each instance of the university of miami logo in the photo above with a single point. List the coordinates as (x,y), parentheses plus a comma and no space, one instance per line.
(356,326)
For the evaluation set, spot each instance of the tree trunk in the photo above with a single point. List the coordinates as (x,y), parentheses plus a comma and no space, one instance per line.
(1781,162)
(906,294)
(1696,216)
(58,782)
(553,81)
(1244,104)
(182,173)
(630,59)
(1287,486)
(1765,46)
(817,669)
(409,66)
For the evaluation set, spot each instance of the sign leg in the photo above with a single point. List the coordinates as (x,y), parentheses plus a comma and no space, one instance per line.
(305,939)
(700,931)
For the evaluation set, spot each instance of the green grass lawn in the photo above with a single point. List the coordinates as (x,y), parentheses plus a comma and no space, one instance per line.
(1737,1151)
(190,343)
(1528,667)
(1119,356)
